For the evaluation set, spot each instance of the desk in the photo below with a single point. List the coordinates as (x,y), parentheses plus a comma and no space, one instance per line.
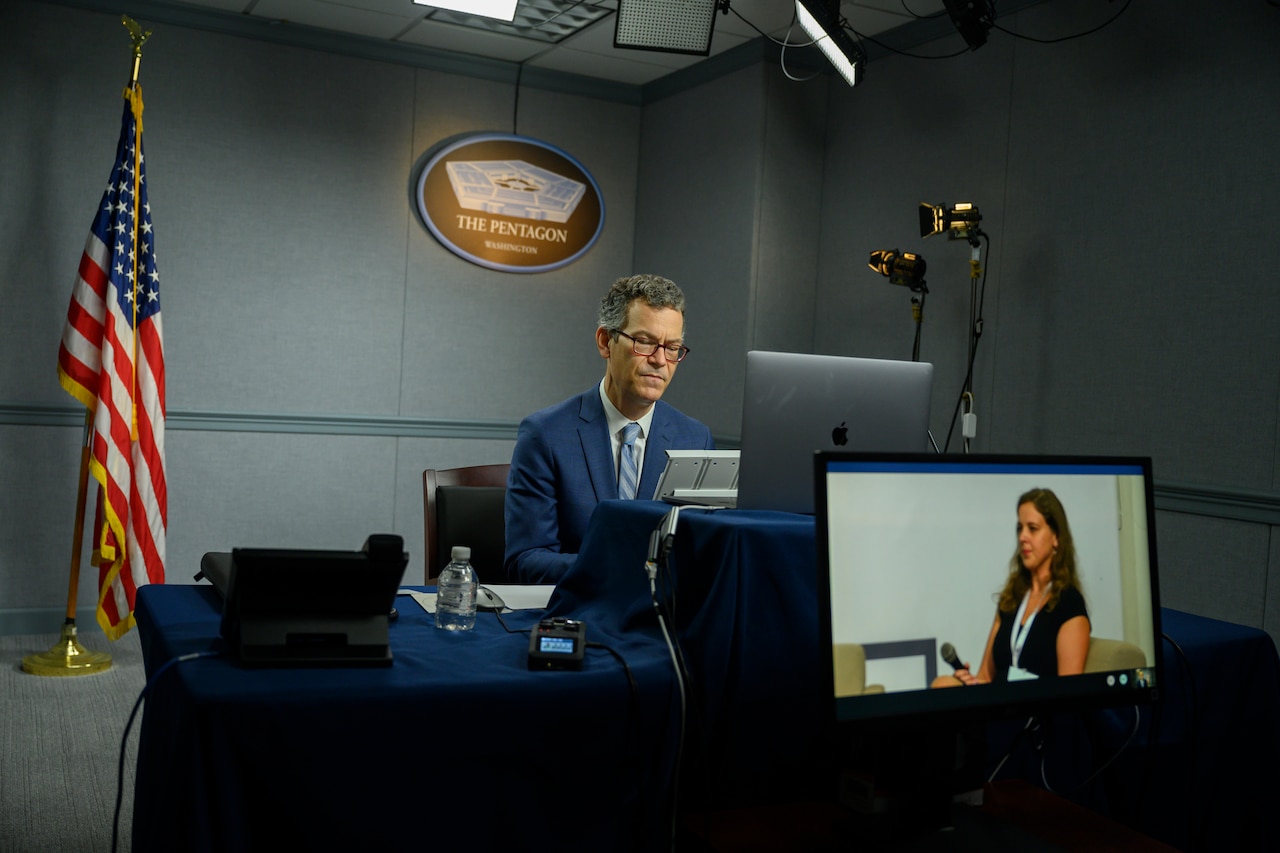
(1200,764)
(351,756)
(743,583)
(328,759)
(746,616)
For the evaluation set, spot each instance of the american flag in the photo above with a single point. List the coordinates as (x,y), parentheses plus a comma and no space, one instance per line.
(112,360)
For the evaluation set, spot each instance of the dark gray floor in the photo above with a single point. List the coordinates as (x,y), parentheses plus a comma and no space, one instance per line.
(60,747)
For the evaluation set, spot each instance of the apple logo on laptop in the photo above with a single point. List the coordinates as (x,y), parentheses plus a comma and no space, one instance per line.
(840,435)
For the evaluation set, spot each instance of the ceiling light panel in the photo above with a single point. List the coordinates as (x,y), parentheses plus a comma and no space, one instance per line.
(548,21)
(502,10)
(679,26)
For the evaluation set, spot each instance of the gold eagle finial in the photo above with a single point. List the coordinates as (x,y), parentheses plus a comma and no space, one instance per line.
(135,32)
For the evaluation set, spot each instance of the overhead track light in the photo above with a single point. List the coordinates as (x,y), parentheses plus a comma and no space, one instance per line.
(670,26)
(820,19)
(972,18)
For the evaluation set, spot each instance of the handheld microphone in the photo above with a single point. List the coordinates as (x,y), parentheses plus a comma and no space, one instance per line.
(949,655)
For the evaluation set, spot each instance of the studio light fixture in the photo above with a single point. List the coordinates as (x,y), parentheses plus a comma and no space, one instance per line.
(903,268)
(972,18)
(503,10)
(960,220)
(820,19)
(670,26)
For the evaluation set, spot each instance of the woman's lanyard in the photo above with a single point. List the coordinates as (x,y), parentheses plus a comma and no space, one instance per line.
(1019,635)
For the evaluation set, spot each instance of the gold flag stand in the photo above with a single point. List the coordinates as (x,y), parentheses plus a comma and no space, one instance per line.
(68,656)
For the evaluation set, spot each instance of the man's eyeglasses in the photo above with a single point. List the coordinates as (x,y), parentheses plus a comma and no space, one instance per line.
(641,346)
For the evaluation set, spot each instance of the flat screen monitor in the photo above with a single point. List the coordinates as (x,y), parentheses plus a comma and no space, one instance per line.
(914,551)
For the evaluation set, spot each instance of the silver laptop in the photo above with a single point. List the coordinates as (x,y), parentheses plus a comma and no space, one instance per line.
(796,404)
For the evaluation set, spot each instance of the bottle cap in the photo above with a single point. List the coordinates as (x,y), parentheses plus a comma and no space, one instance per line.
(460,552)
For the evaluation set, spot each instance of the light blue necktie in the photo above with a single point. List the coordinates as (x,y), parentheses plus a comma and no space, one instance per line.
(627,479)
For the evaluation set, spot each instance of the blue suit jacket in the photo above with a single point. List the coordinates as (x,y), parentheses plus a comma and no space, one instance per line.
(563,465)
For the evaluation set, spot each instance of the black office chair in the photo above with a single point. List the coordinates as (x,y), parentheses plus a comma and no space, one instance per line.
(464,506)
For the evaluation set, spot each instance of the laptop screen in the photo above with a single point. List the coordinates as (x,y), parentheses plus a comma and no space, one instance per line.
(915,551)
(795,404)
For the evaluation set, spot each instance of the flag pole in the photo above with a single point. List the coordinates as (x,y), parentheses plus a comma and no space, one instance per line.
(68,656)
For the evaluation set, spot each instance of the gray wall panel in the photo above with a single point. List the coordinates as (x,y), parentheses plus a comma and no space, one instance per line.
(38,475)
(697,222)
(225,490)
(729,174)
(915,132)
(275,176)
(1214,567)
(791,177)
(1131,336)
(230,490)
(277,181)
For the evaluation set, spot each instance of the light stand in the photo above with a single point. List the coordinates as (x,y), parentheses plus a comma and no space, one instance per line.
(969,420)
(907,269)
(960,221)
(917,314)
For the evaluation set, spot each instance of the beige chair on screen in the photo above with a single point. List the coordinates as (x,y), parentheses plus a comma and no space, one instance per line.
(850,663)
(1107,655)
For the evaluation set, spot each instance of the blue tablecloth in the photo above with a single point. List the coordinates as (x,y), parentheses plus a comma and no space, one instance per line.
(456,744)
(742,584)
(349,756)
(1198,772)
(746,614)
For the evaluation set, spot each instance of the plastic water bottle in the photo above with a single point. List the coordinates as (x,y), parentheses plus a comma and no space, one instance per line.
(456,592)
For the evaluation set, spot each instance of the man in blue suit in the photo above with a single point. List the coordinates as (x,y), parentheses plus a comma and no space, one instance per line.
(573,455)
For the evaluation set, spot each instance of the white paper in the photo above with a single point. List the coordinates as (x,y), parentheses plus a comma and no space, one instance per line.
(523,596)
(426,599)
(515,596)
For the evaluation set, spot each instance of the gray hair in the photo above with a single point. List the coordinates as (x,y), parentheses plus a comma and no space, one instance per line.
(656,291)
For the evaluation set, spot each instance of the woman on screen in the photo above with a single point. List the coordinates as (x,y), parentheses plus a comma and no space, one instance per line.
(1042,626)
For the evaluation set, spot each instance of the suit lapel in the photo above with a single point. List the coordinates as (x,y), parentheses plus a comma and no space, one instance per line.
(655,453)
(593,435)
